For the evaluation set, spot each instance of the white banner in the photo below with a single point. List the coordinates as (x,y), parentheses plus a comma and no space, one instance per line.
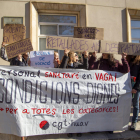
(42,58)
(51,101)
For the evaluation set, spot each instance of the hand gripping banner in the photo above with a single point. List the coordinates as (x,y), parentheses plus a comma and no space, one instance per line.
(51,101)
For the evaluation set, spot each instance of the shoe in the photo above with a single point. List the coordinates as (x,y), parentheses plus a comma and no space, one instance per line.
(133,127)
(110,132)
(79,134)
(69,135)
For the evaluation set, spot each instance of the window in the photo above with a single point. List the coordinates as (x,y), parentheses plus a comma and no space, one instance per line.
(55,25)
(135,31)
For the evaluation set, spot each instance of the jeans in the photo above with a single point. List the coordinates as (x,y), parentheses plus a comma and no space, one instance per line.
(135,101)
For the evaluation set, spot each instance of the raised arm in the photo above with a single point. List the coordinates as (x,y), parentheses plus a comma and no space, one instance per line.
(91,61)
(64,60)
(3,56)
(85,61)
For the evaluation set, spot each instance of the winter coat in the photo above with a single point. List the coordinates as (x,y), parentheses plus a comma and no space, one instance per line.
(103,64)
(76,65)
(135,71)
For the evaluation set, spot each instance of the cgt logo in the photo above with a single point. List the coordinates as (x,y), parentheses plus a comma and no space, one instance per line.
(44,125)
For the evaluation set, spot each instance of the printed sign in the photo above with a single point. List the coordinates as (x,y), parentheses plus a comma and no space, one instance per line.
(89,33)
(109,47)
(19,47)
(13,33)
(53,101)
(73,44)
(42,58)
(129,48)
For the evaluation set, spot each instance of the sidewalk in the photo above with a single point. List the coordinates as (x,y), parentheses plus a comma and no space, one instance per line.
(118,135)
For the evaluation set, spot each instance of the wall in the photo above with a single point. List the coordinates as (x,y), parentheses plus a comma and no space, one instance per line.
(14,8)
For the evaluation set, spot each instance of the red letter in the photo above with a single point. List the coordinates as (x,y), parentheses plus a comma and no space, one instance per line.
(63,111)
(7,109)
(46,75)
(33,110)
(53,110)
(97,76)
(25,111)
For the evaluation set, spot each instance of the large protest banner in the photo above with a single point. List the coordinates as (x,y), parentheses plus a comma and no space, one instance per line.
(13,33)
(51,101)
(129,48)
(89,33)
(42,58)
(73,44)
(19,47)
(109,47)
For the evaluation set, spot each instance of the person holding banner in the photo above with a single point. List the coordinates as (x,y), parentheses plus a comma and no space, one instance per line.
(134,63)
(70,60)
(108,62)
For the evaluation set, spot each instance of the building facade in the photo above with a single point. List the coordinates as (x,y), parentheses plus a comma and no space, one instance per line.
(119,18)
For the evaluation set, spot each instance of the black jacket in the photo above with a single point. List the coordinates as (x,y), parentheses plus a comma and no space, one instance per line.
(76,65)
(135,71)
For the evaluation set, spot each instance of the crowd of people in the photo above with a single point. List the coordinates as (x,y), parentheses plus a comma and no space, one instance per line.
(107,62)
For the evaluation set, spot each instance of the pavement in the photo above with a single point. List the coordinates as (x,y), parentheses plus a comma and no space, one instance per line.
(117,135)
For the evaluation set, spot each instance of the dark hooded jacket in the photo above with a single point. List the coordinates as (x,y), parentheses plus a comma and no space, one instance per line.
(135,71)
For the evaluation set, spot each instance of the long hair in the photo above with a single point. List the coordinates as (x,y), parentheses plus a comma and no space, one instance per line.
(111,60)
(133,59)
(70,54)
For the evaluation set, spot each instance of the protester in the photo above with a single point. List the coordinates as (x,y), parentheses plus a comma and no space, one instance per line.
(20,60)
(134,63)
(107,62)
(56,60)
(70,61)
(25,59)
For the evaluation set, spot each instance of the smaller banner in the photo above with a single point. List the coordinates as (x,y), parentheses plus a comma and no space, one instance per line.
(73,44)
(19,47)
(13,33)
(42,58)
(129,48)
(109,47)
(89,32)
